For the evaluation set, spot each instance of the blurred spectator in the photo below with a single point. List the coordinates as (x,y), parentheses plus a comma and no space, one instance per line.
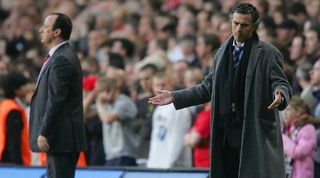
(224,30)
(286,30)
(315,81)
(117,113)
(187,45)
(14,136)
(303,79)
(299,140)
(298,59)
(198,138)
(297,12)
(312,42)
(178,70)
(145,109)
(206,47)
(168,129)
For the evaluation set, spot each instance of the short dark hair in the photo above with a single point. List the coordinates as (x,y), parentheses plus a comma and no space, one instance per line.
(116,60)
(211,39)
(64,23)
(246,8)
(12,82)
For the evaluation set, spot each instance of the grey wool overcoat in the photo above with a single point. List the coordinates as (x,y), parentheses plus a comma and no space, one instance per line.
(261,154)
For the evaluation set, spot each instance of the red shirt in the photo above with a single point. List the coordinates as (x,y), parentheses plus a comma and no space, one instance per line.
(201,154)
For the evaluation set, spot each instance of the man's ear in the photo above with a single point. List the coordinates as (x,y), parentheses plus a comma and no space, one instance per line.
(57,32)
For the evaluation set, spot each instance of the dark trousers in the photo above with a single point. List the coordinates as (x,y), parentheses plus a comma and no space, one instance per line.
(230,160)
(122,161)
(317,170)
(62,165)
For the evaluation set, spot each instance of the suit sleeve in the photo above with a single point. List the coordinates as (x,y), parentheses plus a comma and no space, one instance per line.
(197,94)
(279,80)
(58,88)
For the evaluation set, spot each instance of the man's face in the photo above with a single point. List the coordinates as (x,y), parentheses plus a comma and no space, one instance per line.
(159,84)
(46,31)
(145,79)
(311,42)
(315,74)
(296,49)
(242,27)
(200,47)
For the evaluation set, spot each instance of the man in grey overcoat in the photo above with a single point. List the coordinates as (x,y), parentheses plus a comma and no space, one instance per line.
(247,88)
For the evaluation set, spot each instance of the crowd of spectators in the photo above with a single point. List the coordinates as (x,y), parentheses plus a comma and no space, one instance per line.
(127,43)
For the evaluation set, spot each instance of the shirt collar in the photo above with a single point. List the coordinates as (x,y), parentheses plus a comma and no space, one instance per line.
(53,49)
(235,44)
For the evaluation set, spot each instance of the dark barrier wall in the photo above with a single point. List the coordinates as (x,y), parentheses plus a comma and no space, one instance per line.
(39,172)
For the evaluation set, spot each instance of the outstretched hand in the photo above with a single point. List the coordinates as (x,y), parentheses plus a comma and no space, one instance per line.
(163,97)
(277,100)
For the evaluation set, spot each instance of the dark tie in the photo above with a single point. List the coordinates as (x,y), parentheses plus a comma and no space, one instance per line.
(46,58)
(236,55)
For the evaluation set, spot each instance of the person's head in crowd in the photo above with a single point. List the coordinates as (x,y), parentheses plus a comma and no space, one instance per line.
(150,7)
(251,19)
(216,19)
(224,30)
(161,81)
(262,6)
(302,75)
(162,19)
(278,14)
(119,75)
(297,12)
(122,46)
(286,30)
(266,29)
(203,19)
(167,32)
(118,17)
(89,66)
(67,7)
(101,22)
(178,70)
(274,5)
(108,85)
(14,84)
(146,28)
(227,5)
(315,74)
(157,46)
(297,49)
(96,38)
(295,110)
(192,76)
(56,28)
(186,26)
(145,77)
(312,41)
(187,44)
(206,45)
(313,8)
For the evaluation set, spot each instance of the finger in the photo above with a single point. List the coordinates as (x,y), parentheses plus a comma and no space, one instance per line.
(152,100)
(272,105)
(46,146)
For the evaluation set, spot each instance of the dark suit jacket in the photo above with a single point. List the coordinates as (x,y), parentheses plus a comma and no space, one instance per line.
(56,106)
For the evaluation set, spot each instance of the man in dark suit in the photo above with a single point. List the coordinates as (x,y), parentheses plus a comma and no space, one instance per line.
(56,116)
(247,87)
